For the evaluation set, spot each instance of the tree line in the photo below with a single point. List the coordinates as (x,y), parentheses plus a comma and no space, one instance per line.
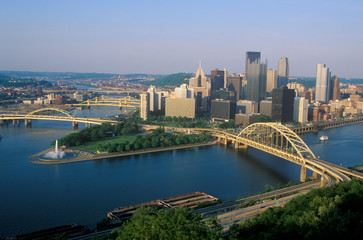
(158,138)
(98,132)
(326,213)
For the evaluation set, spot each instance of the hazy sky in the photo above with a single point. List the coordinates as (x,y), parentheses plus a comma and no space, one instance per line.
(162,37)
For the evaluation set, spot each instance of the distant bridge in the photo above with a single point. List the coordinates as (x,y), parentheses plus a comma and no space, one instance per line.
(54,114)
(281,141)
(126,102)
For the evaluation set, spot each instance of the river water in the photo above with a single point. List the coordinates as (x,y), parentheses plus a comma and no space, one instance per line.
(35,197)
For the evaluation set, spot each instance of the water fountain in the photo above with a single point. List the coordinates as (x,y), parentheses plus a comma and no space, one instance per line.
(55,154)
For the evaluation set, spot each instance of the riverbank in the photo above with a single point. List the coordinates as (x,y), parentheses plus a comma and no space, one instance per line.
(85,155)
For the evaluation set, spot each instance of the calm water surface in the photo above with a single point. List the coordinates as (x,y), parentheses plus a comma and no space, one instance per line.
(34,196)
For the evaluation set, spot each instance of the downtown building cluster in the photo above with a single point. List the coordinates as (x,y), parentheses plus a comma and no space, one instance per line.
(259,93)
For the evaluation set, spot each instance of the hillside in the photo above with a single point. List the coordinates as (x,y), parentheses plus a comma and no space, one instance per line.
(172,80)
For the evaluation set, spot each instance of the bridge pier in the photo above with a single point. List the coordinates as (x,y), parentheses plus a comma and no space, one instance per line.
(16,122)
(27,122)
(315,175)
(75,125)
(303,174)
(323,179)
(238,146)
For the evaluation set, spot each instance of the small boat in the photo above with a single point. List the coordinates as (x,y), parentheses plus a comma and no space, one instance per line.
(323,138)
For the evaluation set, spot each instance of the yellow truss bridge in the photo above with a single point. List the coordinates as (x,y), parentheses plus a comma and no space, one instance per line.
(281,141)
(54,114)
(126,102)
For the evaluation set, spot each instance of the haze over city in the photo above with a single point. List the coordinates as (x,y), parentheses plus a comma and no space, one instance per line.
(163,37)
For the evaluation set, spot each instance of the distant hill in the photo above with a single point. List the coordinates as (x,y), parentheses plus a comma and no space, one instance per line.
(69,75)
(174,80)
(7,81)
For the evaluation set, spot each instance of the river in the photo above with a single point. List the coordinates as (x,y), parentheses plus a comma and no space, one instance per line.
(35,197)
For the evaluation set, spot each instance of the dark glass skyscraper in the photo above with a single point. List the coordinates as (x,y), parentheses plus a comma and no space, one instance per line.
(256,74)
(282,104)
(217,79)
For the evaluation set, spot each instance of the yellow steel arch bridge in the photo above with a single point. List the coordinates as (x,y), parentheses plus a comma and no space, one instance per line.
(279,140)
(126,102)
(54,114)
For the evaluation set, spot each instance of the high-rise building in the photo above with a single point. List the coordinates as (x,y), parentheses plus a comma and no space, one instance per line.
(217,79)
(300,110)
(246,107)
(226,74)
(153,101)
(283,70)
(223,110)
(271,80)
(144,105)
(224,94)
(256,73)
(156,99)
(282,104)
(201,87)
(39,91)
(336,89)
(184,107)
(322,91)
(183,92)
(266,107)
(234,83)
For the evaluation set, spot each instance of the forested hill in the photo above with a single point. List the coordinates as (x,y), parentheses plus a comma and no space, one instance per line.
(172,80)
(6,81)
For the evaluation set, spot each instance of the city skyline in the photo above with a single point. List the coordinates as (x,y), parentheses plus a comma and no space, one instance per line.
(163,37)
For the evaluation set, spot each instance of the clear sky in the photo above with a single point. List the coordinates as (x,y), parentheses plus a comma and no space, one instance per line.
(162,37)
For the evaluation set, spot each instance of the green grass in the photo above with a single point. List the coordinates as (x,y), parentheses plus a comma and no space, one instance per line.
(118,139)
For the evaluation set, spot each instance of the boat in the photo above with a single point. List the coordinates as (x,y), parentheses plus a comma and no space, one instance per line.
(323,138)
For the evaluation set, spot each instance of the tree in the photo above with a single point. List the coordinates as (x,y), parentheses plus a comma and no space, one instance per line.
(333,212)
(174,223)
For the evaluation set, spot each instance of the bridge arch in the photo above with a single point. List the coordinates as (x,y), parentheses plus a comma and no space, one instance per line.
(50,110)
(278,135)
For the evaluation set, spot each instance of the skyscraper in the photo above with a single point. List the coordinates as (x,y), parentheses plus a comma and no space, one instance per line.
(322,91)
(256,73)
(144,105)
(283,70)
(234,83)
(201,87)
(336,89)
(282,104)
(271,80)
(217,79)
(300,109)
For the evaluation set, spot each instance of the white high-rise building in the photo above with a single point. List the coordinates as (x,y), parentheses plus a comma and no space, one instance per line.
(283,71)
(144,105)
(184,92)
(300,110)
(322,90)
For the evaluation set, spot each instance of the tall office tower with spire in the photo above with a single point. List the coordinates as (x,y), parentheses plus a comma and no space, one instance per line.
(283,70)
(336,89)
(201,85)
(256,73)
(322,90)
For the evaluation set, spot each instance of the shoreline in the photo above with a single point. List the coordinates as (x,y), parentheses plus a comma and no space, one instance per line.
(87,155)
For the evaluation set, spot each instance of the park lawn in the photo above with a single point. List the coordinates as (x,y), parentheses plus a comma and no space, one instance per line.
(118,139)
